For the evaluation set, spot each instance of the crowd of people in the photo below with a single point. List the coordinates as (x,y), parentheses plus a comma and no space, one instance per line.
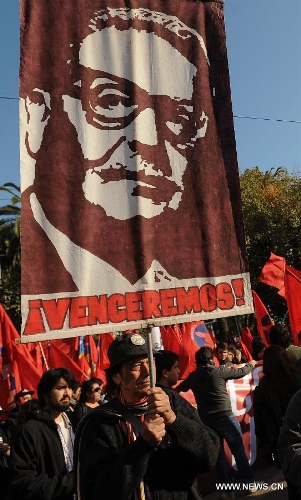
(129,440)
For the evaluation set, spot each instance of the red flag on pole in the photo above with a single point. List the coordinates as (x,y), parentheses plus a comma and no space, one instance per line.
(194,336)
(58,358)
(293,297)
(105,340)
(90,346)
(77,353)
(171,337)
(245,350)
(263,318)
(17,366)
(273,273)
(36,352)
(247,337)
(29,374)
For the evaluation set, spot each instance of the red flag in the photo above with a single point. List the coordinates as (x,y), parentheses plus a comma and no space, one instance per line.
(194,336)
(77,353)
(8,335)
(263,318)
(29,375)
(58,358)
(96,371)
(171,338)
(293,297)
(273,273)
(105,340)
(17,366)
(247,337)
(245,350)
(35,349)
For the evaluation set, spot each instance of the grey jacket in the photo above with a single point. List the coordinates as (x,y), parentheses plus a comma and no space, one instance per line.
(208,384)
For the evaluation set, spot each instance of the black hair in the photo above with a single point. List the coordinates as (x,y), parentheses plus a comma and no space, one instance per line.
(281,373)
(165,361)
(280,334)
(222,345)
(258,346)
(203,356)
(75,386)
(87,387)
(49,380)
(26,409)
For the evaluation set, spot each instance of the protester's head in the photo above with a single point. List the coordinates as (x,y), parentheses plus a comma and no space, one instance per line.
(238,356)
(26,408)
(204,356)
(76,390)
(280,334)
(129,367)
(54,389)
(258,348)
(22,396)
(167,368)
(231,354)
(91,390)
(222,352)
(275,358)
(280,371)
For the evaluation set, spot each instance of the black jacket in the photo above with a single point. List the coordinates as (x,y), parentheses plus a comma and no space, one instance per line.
(110,468)
(289,442)
(37,466)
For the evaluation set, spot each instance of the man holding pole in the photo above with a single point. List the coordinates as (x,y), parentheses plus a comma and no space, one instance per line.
(151,439)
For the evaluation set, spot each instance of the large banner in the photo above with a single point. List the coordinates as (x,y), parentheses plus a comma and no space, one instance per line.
(131,210)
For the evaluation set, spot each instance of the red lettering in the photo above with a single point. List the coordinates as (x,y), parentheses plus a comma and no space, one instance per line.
(55,312)
(168,302)
(133,306)
(188,300)
(225,298)
(34,322)
(78,312)
(238,287)
(97,310)
(151,304)
(116,308)
(208,297)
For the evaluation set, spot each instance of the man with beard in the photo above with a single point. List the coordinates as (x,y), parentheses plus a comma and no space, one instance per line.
(42,452)
(120,133)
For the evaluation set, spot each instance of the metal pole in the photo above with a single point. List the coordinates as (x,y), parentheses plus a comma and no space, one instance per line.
(150,357)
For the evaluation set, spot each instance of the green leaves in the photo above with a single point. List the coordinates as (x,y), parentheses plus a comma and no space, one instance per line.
(10,226)
(10,254)
(272,216)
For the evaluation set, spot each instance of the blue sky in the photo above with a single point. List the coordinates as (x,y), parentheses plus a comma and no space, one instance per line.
(264,51)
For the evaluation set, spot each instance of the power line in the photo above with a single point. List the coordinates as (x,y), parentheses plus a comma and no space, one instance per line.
(266,119)
(234,116)
(9,98)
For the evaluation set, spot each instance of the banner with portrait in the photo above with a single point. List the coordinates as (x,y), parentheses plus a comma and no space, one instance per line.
(131,210)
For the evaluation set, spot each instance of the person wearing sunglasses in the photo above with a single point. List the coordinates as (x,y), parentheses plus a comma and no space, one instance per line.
(90,398)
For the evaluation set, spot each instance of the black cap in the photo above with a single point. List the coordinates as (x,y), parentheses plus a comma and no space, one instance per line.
(23,393)
(127,346)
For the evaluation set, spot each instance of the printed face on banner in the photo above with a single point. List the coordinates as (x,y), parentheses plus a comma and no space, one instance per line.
(134,115)
(139,115)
